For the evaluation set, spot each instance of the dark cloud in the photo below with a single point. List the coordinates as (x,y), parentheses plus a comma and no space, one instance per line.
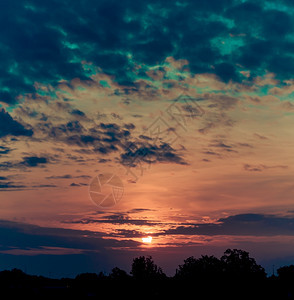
(277,24)
(221,145)
(209,152)
(243,224)
(137,152)
(246,145)
(227,72)
(59,252)
(46,47)
(112,126)
(4,150)
(14,186)
(77,112)
(145,137)
(58,132)
(128,233)
(34,161)
(44,186)
(67,176)
(116,219)
(105,149)
(8,126)
(26,162)
(78,184)
(103,138)
(206,160)
(10,185)
(104,160)
(25,236)
(139,210)
(220,149)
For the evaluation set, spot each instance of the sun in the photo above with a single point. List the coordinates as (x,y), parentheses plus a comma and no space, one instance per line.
(147,239)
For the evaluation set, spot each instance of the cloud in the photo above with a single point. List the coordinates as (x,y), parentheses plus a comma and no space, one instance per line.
(261,167)
(240,225)
(139,210)
(4,150)
(44,186)
(223,147)
(69,251)
(8,126)
(34,161)
(246,145)
(261,137)
(78,184)
(128,233)
(209,152)
(137,152)
(10,185)
(103,160)
(116,219)
(43,47)
(24,236)
(67,176)
(103,138)
(26,162)
(78,113)
(42,251)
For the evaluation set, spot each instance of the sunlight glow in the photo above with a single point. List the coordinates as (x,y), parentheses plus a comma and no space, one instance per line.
(147,239)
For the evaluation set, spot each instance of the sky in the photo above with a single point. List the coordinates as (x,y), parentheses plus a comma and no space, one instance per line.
(125,120)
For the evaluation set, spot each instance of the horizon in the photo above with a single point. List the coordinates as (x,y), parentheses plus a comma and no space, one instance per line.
(151,128)
(274,271)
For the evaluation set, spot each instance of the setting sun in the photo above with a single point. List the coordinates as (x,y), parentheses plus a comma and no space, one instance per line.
(147,239)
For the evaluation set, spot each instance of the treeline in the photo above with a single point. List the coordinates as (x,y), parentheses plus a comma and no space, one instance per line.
(235,275)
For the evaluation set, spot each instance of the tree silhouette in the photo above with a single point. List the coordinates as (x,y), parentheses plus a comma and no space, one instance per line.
(286,273)
(145,268)
(239,263)
(87,276)
(204,267)
(234,263)
(235,275)
(118,274)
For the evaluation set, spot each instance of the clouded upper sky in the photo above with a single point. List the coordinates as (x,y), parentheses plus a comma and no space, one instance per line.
(189,104)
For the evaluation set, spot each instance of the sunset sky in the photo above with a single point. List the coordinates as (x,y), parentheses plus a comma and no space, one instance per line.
(189,104)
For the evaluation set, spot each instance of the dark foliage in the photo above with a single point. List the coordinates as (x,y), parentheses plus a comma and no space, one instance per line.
(235,275)
(119,274)
(238,263)
(144,268)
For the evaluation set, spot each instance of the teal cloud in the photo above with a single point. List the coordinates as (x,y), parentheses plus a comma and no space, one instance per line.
(47,41)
